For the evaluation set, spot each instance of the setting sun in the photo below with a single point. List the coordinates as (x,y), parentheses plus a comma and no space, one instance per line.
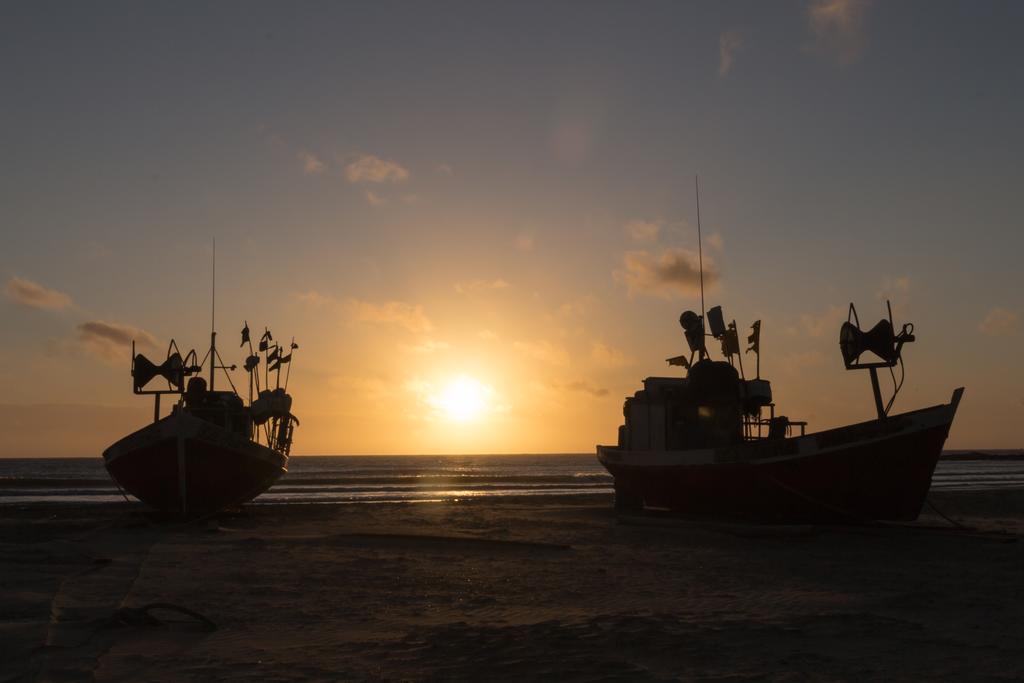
(463,399)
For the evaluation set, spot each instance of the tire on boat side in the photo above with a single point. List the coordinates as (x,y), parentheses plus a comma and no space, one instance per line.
(628,500)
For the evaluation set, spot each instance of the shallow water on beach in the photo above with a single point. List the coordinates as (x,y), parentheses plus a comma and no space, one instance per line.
(377,479)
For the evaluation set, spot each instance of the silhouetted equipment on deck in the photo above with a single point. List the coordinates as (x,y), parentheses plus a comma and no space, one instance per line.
(195,391)
(172,370)
(880,340)
(750,395)
(716,321)
(693,328)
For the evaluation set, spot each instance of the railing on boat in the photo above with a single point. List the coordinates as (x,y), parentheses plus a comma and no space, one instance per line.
(756,426)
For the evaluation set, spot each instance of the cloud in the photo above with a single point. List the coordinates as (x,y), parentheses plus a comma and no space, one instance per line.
(543,351)
(427,346)
(584,387)
(444,169)
(644,231)
(524,241)
(397,313)
(893,287)
(839,28)
(821,324)
(311,165)
(479,285)
(371,169)
(1000,322)
(803,360)
(714,241)
(576,309)
(897,292)
(730,43)
(33,295)
(112,341)
(313,298)
(609,356)
(375,199)
(671,272)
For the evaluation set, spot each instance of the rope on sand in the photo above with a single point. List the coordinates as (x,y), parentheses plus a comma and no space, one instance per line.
(141,616)
(940,513)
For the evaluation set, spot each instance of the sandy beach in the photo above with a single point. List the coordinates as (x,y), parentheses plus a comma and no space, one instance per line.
(564,590)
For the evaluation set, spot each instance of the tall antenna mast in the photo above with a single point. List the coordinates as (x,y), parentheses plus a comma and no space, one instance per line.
(213,317)
(700,249)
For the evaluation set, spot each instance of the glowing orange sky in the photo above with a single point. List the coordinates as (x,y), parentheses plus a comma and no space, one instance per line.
(504,195)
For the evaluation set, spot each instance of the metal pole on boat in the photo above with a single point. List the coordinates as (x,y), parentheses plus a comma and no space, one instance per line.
(700,263)
(213,316)
(878,393)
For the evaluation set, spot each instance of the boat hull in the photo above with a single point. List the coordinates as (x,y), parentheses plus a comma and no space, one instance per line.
(186,467)
(878,470)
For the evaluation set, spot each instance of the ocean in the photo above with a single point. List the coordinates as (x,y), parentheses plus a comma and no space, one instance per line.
(421,478)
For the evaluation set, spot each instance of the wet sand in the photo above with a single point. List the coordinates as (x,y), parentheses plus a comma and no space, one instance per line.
(518,590)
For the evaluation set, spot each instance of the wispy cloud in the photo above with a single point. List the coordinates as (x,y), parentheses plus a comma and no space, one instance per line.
(524,241)
(480,285)
(311,165)
(897,292)
(408,316)
(112,341)
(428,346)
(544,351)
(583,386)
(33,295)
(824,323)
(313,298)
(668,273)
(375,199)
(839,28)
(1000,322)
(444,169)
(802,360)
(608,356)
(371,169)
(730,43)
(644,231)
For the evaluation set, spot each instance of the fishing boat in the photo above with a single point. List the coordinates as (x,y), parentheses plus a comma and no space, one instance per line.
(213,450)
(711,443)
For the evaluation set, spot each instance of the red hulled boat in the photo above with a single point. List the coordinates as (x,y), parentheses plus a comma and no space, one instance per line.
(213,450)
(711,444)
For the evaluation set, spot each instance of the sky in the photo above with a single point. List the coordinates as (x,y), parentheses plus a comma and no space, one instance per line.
(478,219)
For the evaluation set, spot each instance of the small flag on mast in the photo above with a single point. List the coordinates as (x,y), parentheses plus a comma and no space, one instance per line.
(755,337)
(730,341)
(245,334)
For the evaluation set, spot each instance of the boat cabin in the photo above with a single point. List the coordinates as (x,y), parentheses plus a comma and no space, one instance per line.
(714,406)
(222,408)
(711,407)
